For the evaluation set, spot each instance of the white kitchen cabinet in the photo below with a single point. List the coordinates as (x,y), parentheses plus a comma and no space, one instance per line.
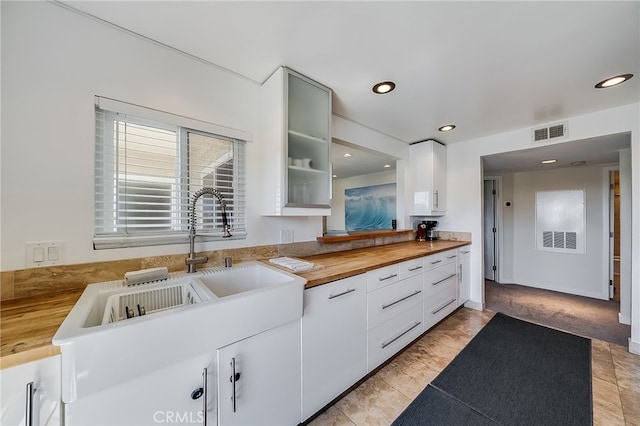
(31,393)
(428,179)
(334,341)
(441,289)
(296,176)
(464,272)
(172,395)
(259,379)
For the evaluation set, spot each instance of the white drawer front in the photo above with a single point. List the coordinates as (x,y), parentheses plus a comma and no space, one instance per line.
(439,259)
(440,305)
(387,339)
(389,301)
(410,268)
(440,277)
(382,277)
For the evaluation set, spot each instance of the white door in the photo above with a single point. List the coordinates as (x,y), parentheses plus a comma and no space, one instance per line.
(490,229)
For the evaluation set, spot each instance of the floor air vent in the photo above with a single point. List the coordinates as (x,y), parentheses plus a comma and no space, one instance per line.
(550,132)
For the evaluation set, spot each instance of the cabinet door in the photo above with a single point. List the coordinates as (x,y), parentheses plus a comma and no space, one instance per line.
(168,396)
(334,341)
(439,179)
(259,379)
(428,179)
(465,275)
(41,381)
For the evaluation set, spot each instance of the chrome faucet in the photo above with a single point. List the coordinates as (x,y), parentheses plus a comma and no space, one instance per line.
(191,260)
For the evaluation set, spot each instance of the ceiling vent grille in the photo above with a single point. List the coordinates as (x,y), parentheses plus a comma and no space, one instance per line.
(550,132)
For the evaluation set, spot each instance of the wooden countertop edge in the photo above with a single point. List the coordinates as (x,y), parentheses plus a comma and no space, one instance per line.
(34,354)
(324,265)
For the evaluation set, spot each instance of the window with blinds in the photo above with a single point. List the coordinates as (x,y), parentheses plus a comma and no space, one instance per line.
(146,174)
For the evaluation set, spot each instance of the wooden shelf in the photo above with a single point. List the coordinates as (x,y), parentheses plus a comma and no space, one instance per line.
(363,235)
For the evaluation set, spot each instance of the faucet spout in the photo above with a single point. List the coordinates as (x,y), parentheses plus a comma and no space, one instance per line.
(192,260)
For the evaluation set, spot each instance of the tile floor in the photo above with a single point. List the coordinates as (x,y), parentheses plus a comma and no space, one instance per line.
(379,400)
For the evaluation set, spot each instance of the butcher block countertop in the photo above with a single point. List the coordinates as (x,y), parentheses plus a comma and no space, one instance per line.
(27,325)
(334,266)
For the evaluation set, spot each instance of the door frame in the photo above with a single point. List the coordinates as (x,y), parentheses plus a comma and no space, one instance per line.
(498,258)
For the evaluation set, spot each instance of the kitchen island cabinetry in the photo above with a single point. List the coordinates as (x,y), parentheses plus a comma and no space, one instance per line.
(334,341)
(296,160)
(428,179)
(31,393)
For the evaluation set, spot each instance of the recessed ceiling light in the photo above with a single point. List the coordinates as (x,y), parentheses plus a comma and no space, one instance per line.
(346,155)
(613,81)
(386,166)
(335,176)
(578,163)
(550,161)
(384,87)
(447,128)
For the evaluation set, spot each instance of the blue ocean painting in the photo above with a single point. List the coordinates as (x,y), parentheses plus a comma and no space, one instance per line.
(370,207)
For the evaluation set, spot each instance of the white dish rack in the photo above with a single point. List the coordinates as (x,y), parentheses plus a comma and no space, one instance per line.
(148,301)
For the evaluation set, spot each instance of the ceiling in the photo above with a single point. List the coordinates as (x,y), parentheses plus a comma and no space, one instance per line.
(486,66)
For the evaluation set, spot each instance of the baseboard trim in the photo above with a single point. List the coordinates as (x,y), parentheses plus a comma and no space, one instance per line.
(624,319)
(474,305)
(634,347)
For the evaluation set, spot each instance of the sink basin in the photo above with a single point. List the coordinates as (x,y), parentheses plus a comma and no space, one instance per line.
(197,314)
(249,276)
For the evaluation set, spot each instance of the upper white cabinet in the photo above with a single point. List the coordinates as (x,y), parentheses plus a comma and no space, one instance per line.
(428,179)
(296,145)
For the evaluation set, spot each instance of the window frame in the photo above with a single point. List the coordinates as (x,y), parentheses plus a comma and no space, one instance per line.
(107,177)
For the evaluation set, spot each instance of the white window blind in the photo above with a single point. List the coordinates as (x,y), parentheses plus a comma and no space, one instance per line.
(147,172)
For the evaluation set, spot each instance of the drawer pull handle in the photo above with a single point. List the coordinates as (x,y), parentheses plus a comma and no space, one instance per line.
(443,306)
(347,291)
(388,277)
(453,256)
(466,252)
(415,268)
(385,344)
(444,279)
(388,305)
(436,261)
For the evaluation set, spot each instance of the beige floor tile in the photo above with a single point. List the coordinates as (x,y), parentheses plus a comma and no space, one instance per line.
(332,417)
(607,407)
(407,376)
(601,361)
(373,397)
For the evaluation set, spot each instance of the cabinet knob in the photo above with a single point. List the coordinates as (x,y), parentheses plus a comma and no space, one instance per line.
(197,393)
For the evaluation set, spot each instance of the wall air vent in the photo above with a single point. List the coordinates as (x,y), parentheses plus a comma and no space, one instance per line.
(550,132)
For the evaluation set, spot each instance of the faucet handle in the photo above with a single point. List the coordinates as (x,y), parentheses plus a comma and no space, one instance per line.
(228,262)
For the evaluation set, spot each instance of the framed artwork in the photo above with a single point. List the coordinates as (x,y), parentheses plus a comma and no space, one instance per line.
(370,207)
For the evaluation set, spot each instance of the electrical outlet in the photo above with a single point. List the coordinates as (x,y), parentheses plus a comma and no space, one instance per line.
(45,253)
(286,236)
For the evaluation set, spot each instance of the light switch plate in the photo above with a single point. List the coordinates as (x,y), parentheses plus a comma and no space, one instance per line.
(45,253)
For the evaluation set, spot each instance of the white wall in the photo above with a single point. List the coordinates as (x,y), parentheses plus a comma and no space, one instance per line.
(582,274)
(53,63)
(337,218)
(464,173)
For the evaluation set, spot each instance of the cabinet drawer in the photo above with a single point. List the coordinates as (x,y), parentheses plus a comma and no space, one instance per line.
(388,338)
(439,259)
(410,268)
(439,305)
(436,279)
(387,302)
(382,277)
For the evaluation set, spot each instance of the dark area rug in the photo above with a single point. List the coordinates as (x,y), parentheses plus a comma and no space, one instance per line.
(512,373)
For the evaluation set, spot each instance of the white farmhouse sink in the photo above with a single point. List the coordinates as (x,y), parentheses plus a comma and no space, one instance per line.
(250,276)
(207,310)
